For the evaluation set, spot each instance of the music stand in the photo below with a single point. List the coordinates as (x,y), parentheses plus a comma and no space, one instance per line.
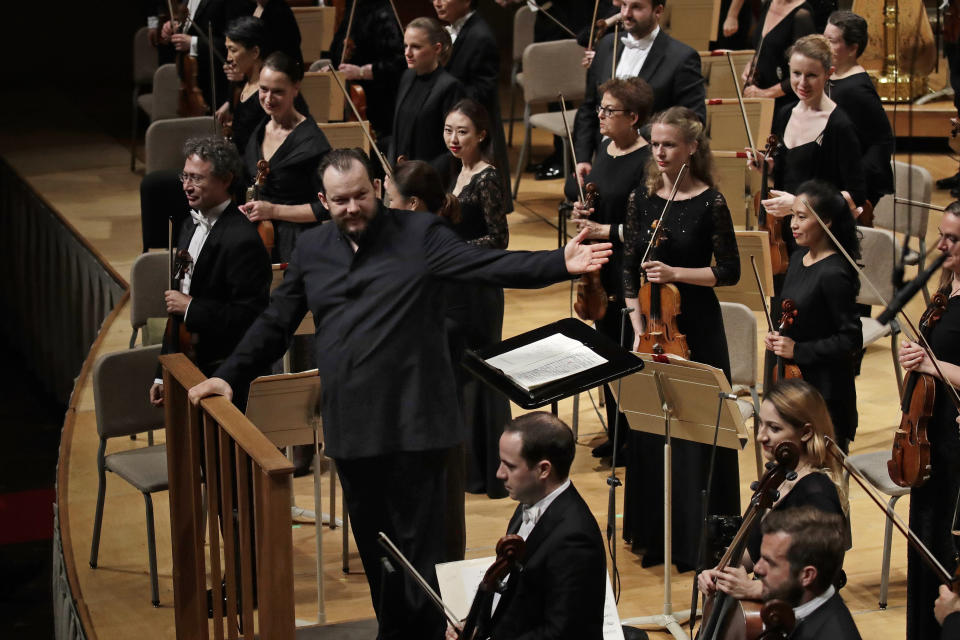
(678,400)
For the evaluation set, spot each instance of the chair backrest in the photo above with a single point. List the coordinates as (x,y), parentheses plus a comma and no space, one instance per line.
(144,58)
(740,327)
(166,89)
(121,384)
(554,67)
(346,135)
(736,182)
(717,79)
(149,278)
(913,182)
(523,21)
(165,138)
(317,26)
(324,96)
(878,247)
(696,21)
(286,407)
(725,123)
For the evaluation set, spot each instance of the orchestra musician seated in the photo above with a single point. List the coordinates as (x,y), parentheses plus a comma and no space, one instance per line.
(560,592)
(800,558)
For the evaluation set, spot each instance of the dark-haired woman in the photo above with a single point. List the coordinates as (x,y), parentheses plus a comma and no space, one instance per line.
(697,253)
(618,170)
(483,221)
(853,91)
(293,145)
(826,336)
(425,95)
(781,23)
(280,25)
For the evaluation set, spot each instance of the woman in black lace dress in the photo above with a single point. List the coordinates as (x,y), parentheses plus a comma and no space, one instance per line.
(698,229)
(483,222)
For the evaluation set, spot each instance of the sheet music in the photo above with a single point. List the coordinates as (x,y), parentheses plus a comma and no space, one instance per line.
(552,358)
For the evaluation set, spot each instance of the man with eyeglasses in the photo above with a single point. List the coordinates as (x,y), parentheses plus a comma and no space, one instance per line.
(226,281)
(645,51)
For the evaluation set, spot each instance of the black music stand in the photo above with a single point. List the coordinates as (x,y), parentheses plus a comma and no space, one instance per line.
(619,362)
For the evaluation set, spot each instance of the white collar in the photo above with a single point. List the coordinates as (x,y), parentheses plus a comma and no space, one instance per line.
(538,509)
(808,608)
(641,43)
(213,214)
(457,25)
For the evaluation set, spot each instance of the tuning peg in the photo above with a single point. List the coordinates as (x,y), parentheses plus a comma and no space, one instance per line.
(754,485)
(791,475)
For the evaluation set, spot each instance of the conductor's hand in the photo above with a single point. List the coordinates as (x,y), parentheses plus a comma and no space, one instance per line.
(257,210)
(659,272)
(948,602)
(706,582)
(779,204)
(734,582)
(176,302)
(581,258)
(210,387)
(156,394)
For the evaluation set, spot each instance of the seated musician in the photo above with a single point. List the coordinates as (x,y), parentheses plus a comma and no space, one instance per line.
(792,411)
(800,557)
(560,592)
(947,612)
(227,281)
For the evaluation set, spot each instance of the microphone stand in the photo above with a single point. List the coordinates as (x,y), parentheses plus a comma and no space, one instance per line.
(613,481)
(907,292)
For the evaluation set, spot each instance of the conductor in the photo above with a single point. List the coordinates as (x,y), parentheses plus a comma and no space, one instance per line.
(373,283)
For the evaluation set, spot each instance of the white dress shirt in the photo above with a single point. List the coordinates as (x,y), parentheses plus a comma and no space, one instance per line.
(203,224)
(457,26)
(634,53)
(808,608)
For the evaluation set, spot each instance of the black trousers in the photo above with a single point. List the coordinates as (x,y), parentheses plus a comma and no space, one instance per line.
(406,495)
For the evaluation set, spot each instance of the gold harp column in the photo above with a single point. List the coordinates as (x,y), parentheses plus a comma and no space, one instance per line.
(895,84)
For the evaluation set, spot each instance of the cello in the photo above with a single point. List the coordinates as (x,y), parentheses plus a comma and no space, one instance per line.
(660,303)
(725,616)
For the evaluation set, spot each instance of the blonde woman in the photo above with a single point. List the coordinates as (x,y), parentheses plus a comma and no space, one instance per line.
(792,411)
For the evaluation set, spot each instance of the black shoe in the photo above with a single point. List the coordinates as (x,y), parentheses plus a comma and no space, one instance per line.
(549,172)
(632,633)
(604,450)
(949,183)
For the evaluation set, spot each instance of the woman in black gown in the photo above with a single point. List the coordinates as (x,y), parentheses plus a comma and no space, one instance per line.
(698,230)
(483,222)
(825,337)
(293,145)
(618,170)
(426,93)
(853,91)
(792,411)
(932,505)
(781,23)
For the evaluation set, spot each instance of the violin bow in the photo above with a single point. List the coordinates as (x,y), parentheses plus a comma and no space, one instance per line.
(396,15)
(616,38)
(763,296)
(373,145)
(917,203)
(593,24)
(536,7)
(346,37)
(871,491)
(743,108)
(573,151)
(917,335)
(666,207)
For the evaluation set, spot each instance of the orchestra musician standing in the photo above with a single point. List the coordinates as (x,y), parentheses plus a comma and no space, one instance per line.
(671,68)
(792,411)
(932,505)
(373,283)
(281,28)
(697,231)
(781,23)
(619,169)
(205,16)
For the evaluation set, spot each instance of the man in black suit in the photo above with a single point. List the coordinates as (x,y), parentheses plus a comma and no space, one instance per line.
(374,282)
(800,558)
(559,592)
(671,68)
(227,283)
(475,62)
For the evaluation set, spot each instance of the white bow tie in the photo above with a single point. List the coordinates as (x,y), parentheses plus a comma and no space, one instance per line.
(631,43)
(530,514)
(202,220)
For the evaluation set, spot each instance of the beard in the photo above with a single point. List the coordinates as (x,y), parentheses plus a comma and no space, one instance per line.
(790,591)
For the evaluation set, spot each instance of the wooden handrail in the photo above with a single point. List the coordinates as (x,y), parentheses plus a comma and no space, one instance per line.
(214,445)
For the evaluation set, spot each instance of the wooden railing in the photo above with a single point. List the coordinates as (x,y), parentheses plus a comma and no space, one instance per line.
(216,436)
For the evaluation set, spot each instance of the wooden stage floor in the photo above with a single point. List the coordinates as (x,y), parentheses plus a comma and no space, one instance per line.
(87,179)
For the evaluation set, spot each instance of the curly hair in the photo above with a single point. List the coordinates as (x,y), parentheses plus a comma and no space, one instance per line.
(634,94)
(701,163)
(222,155)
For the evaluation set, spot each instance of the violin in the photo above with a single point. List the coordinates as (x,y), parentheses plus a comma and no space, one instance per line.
(779,261)
(592,298)
(725,617)
(659,309)
(190,102)
(264,227)
(909,464)
(510,551)
(176,333)
(357,96)
(786,369)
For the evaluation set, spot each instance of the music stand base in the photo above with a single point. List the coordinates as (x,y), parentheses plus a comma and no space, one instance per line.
(671,622)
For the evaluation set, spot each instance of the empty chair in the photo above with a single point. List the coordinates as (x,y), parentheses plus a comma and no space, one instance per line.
(523,21)
(144,66)
(740,328)
(550,68)
(161,102)
(878,248)
(725,123)
(149,278)
(120,384)
(165,139)
(717,79)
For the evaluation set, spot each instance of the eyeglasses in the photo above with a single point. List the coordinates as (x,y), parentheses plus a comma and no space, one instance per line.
(606,112)
(192,178)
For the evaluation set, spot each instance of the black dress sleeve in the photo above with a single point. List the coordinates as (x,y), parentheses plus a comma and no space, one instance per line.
(724,240)
(632,237)
(839,287)
(841,150)
(490,192)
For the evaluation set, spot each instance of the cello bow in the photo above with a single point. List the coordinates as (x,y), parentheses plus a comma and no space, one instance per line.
(573,151)
(743,108)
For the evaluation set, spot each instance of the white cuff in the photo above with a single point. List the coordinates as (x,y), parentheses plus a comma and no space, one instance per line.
(193,46)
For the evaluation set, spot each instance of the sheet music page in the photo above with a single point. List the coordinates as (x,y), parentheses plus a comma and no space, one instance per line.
(459,582)
(552,358)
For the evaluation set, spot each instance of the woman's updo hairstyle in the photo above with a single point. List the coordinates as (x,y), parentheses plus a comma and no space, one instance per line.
(436,34)
(416,178)
(832,207)
(700,164)
(478,115)
(281,62)
(814,46)
(248,32)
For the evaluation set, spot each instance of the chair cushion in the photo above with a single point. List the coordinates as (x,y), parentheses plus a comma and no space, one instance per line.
(553,121)
(873,330)
(874,467)
(746,408)
(144,468)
